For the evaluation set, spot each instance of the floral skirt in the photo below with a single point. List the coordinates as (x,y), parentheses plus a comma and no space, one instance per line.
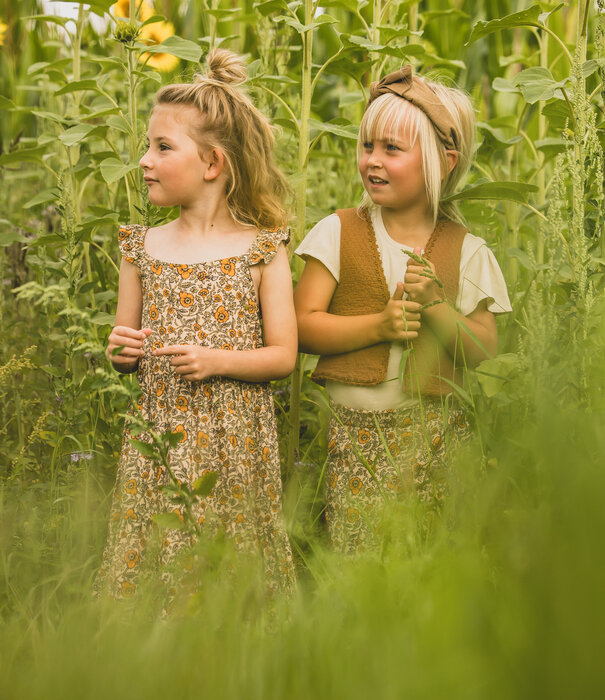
(375,455)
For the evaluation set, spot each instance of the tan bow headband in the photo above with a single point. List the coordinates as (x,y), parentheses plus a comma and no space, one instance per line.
(404,84)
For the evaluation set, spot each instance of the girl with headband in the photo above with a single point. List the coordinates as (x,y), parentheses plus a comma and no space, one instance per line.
(397,297)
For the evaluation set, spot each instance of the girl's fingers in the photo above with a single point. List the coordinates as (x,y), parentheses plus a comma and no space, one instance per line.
(127,332)
(172,350)
(129,352)
(119,341)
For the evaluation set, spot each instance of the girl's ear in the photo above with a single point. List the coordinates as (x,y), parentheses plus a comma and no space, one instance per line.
(215,161)
(452,159)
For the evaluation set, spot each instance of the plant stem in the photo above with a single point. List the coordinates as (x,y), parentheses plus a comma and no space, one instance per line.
(301,215)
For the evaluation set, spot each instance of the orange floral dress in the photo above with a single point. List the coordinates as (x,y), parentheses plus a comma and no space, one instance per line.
(226,425)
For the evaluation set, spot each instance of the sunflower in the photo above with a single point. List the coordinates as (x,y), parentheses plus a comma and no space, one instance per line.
(154,34)
(122,9)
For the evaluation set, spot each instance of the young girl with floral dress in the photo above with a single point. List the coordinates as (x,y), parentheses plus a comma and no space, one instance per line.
(205,317)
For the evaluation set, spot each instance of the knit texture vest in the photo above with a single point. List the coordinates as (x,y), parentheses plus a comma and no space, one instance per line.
(362,289)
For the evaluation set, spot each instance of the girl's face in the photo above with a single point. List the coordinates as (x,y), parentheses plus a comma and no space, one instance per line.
(392,173)
(172,166)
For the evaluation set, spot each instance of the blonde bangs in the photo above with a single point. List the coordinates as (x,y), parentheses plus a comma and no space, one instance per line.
(388,118)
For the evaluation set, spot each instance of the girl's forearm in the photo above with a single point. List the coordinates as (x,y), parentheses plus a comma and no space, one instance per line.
(259,365)
(463,336)
(321,333)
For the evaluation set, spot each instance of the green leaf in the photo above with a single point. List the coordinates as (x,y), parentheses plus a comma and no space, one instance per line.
(503,85)
(23,155)
(494,139)
(591,67)
(42,198)
(99,7)
(557,113)
(102,319)
(144,448)
(351,41)
(509,191)
(55,19)
(349,98)
(118,122)
(203,487)
(5,103)
(526,18)
(350,5)
(494,373)
(173,439)
(78,86)
(179,47)
(347,131)
(230,12)
(292,22)
(452,12)
(10,237)
(522,257)
(52,116)
(168,521)
(537,84)
(266,7)
(113,169)
(72,136)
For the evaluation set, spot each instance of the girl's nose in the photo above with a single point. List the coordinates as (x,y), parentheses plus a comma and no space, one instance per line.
(374,159)
(145,161)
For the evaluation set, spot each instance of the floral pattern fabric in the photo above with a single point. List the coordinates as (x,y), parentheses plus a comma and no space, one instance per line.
(227,426)
(375,455)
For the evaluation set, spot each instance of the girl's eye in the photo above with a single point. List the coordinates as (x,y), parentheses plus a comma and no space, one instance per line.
(164,147)
(392,147)
(368,145)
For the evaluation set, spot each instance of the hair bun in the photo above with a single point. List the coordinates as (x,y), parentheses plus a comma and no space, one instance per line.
(225,67)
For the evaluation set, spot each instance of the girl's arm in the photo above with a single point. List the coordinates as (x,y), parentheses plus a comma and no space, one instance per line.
(323,333)
(126,334)
(273,361)
(449,325)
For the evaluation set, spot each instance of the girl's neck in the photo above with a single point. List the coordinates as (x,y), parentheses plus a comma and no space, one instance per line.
(412,228)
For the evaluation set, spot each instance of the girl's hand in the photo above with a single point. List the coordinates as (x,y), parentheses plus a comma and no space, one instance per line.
(193,362)
(130,341)
(420,283)
(400,319)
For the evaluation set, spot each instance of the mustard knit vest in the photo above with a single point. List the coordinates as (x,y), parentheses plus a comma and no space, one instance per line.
(362,289)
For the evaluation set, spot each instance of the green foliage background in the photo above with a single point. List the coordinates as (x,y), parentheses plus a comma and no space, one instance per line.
(505,597)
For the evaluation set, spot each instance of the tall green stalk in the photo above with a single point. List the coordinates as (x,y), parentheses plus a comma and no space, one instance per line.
(301,211)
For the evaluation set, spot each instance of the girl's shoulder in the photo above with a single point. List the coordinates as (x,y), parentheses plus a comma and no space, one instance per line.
(131,239)
(266,243)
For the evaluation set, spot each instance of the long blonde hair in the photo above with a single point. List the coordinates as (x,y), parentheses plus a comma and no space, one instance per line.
(390,115)
(256,188)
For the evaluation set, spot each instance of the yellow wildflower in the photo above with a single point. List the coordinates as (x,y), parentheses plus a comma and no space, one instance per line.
(154,34)
(122,9)
(3,28)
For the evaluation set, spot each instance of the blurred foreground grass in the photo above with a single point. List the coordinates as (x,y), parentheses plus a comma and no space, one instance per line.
(503,600)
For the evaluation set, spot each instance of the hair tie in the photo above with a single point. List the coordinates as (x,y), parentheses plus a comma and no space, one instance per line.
(404,84)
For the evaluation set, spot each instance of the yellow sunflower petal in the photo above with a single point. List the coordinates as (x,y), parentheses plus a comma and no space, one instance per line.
(154,34)
(122,9)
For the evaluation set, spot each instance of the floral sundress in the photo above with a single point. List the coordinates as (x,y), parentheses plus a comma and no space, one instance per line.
(227,425)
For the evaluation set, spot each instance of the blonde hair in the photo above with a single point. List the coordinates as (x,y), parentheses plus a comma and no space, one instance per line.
(255,188)
(390,115)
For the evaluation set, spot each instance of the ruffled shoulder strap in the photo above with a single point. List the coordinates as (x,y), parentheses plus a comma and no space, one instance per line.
(266,244)
(131,240)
